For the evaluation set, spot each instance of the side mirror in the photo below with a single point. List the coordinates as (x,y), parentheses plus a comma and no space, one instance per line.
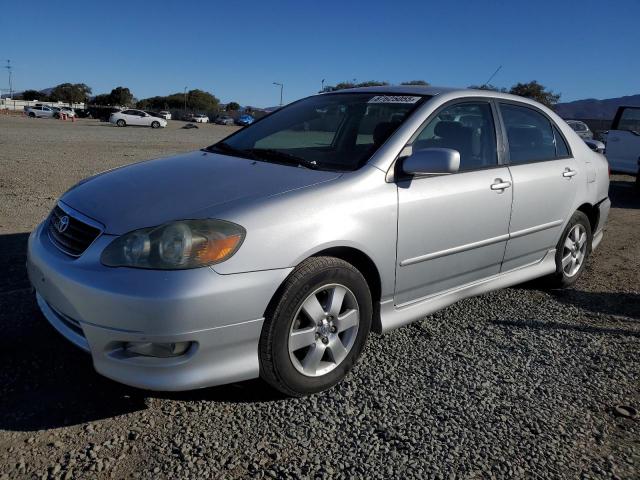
(595,145)
(432,161)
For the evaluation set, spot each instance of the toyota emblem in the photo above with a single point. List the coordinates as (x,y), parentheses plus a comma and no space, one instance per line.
(62,224)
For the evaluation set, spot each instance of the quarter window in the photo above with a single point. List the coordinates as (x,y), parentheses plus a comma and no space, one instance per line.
(562,151)
(467,128)
(529,133)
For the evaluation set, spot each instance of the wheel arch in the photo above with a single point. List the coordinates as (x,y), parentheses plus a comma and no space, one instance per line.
(364,264)
(592,213)
(369,271)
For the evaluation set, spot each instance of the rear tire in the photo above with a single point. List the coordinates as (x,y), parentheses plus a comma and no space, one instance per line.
(121,123)
(32,115)
(572,252)
(316,327)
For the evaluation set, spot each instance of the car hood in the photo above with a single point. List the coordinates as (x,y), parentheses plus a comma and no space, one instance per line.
(192,185)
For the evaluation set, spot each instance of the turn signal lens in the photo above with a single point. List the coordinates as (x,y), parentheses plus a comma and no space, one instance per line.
(177,245)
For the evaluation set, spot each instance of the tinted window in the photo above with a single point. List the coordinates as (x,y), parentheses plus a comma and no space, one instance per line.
(529,133)
(562,150)
(129,112)
(630,120)
(467,128)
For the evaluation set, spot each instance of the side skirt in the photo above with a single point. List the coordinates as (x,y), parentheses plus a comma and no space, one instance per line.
(392,316)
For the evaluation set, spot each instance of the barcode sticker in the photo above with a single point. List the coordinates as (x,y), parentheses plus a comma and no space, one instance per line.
(393,99)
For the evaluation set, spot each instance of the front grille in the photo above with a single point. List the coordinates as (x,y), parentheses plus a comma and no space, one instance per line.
(75,238)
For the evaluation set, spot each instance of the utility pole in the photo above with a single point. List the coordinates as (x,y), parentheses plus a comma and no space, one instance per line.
(9,67)
(185,99)
(322,89)
(281,88)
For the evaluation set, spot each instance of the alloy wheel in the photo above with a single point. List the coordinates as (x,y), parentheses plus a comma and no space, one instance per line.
(324,330)
(574,250)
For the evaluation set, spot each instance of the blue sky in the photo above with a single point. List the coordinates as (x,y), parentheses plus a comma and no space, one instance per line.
(237,49)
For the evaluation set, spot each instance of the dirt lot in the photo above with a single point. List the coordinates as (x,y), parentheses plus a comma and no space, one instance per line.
(517,383)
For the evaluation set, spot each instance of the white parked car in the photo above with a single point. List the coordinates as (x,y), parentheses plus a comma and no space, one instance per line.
(137,118)
(164,114)
(69,112)
(201,118)
(40,111)
(623,141)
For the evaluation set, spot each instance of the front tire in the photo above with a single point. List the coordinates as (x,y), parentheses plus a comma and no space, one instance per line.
(155,124)
(572,251)
(316,327)
(121,123)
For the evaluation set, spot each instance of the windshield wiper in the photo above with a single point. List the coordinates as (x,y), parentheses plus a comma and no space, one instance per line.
(227,149)
(279,156)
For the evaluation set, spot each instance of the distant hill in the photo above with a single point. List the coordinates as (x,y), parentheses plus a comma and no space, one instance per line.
(592,108)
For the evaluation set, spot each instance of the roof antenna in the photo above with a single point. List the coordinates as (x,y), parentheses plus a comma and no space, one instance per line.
(491,77)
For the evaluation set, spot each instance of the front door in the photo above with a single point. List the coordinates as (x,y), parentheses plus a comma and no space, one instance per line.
(545,183)
(452,229)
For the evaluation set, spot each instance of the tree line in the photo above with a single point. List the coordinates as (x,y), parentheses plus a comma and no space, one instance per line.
(532,90)
(201,101)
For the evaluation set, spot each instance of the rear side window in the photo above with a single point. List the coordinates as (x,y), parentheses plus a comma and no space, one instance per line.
(529,133)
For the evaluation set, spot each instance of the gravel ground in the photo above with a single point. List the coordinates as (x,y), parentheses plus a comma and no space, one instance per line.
(513,384)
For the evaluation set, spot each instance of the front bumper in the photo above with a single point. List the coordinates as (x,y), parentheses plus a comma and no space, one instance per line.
(100,309)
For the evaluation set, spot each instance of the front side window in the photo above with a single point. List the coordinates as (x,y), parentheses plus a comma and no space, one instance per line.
(529,133)
(338,131)
(467,128)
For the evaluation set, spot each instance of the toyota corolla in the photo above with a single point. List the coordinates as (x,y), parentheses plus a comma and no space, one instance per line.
(276,251)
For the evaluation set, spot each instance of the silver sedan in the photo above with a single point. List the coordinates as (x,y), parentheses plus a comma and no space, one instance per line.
(275,251)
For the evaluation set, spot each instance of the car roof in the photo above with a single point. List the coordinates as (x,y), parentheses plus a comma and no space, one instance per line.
(435,90)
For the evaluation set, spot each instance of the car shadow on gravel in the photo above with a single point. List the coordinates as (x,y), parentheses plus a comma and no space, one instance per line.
(551,325)
(45,382)
(624,194)
(617,304)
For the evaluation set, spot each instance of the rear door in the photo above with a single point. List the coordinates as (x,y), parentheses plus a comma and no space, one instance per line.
(452,229)
(545,183)
(623,141)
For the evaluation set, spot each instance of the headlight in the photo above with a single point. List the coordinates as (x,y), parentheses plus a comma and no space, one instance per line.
(175,245)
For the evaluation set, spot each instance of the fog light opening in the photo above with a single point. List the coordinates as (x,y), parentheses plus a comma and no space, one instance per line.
(160,350)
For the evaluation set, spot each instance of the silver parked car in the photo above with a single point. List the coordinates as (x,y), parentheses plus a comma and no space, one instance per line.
(40,111)
(275,251)
(581,128)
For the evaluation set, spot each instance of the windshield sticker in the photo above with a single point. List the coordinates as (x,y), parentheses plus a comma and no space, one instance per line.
(393,99)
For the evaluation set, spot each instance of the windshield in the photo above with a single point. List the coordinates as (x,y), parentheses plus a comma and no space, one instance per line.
(334,132)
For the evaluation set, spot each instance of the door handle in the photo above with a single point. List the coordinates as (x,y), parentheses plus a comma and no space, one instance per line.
(569,173)
(500,185)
